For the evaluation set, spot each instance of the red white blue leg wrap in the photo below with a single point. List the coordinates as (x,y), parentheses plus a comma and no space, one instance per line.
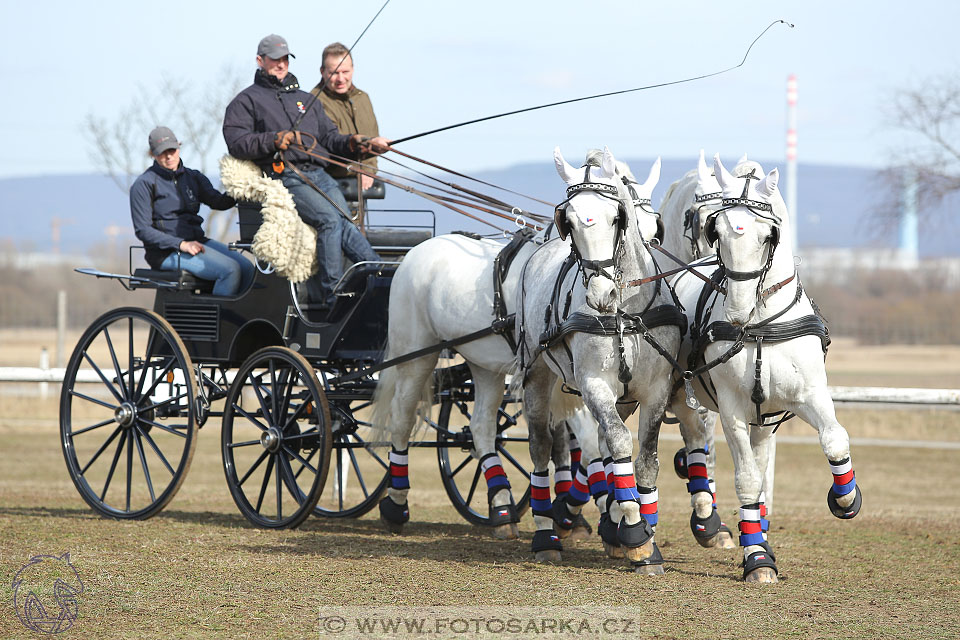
(399,478)
(624,484)
(844,480)
(597,479)
(494,473)
(562,480)
(579,490)
(540,493)
(648,504)
(697,471)
(575,454)
(753,525)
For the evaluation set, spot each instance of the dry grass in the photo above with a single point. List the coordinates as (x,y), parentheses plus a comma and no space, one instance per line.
(198,569)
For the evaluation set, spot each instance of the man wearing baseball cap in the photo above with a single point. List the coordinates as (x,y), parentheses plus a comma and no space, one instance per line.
(164,206)
(259,124)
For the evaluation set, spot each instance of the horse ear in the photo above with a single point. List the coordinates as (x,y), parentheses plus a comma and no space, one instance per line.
(653,178)
(723,176)
(703,173)
(768,185)
(565,170)
(608,163)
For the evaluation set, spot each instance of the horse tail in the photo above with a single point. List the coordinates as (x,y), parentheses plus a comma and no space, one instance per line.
(382,418)
(563,404)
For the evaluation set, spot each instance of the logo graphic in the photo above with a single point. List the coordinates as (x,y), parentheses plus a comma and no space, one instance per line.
(300,106)
(45,592)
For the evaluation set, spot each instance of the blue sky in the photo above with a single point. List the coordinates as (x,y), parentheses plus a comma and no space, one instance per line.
(429,63)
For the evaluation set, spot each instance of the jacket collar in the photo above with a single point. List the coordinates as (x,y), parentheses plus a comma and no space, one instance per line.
(290,82)
(163,172)
(354,92)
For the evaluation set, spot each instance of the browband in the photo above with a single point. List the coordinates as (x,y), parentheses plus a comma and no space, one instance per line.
(708,196)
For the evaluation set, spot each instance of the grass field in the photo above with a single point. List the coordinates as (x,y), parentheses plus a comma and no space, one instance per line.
(199,570)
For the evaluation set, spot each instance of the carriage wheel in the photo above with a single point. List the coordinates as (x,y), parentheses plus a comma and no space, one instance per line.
(276,438)
(128,437)
(460,469)
(359,471)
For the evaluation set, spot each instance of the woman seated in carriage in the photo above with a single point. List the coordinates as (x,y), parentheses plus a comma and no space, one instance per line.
(164,205)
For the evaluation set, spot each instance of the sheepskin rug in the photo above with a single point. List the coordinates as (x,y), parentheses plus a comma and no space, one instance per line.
(283,240)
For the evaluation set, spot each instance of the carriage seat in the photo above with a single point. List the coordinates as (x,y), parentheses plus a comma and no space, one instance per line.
(185,281)
(348,186)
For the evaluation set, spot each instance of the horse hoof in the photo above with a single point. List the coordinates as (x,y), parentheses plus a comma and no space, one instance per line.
(508,531)
(612,551)
(639,554)
(548,556)
(845,513)
(395,528)
(763,575)
(563,534)
(649,569)
(579,533)
(725,539)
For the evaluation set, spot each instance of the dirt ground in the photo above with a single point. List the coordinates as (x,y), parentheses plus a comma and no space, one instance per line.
(199,570)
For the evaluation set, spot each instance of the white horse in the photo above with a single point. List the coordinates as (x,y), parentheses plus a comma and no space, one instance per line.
(444,290)
(759,347)
(586,324)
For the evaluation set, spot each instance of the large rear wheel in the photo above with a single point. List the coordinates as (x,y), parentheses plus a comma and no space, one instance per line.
(129,434)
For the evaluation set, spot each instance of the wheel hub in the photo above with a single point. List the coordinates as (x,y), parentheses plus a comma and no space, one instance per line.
(125,415)
(270,439)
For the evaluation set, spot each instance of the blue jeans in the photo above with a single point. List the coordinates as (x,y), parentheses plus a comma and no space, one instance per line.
(231,271)
(336,235)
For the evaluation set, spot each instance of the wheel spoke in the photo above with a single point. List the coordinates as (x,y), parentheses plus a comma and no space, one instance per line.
(129,468)
(249,417)
(279,489)
(130,346)
(113,390)
(155,448)
(143,464)
(356,469)
(100,450)
(93,400)
(263,487)
(74,434)
(473,485)
(263,405)
(116,363)
(309,458)
(263,456)
(243,444)
(514,461)
(143,375)
(157,379)
(287,381)
(297,414)
(273,388)
(164,427)
(113,465)
(296,455)
(163,403)
(460,466)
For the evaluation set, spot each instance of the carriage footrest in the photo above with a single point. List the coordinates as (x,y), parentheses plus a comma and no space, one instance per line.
(184,280)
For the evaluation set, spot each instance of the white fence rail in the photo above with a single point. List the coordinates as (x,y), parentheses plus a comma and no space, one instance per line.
(867,395)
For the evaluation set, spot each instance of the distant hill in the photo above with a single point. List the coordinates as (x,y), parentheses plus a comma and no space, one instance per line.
(834,204)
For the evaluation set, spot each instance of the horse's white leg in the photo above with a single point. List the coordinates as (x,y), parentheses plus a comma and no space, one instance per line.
(844,497)
(768,475)
(537,389)
(758,561)
(646,470)
(705,523)
(576,481)
(408,385)
(633,532)
(488,395)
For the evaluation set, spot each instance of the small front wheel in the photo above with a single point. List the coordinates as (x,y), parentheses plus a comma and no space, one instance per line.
(276,438)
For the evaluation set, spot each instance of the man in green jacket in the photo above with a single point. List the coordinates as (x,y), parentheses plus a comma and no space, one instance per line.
(348,107)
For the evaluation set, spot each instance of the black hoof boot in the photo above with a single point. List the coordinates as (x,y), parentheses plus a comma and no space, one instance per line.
(393,515)
(636,540)
(546,546)
(759,566)
(680,463)
(844,513)
(706,530)
(652,566)
(504,521)
(562,516)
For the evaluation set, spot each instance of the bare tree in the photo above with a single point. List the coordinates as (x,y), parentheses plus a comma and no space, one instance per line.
(119,142)
(930,115)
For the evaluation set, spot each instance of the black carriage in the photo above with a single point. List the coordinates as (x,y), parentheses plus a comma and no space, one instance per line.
(296,389)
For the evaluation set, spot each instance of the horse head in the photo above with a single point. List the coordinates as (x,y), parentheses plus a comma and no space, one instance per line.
(747,231)
(597,215)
